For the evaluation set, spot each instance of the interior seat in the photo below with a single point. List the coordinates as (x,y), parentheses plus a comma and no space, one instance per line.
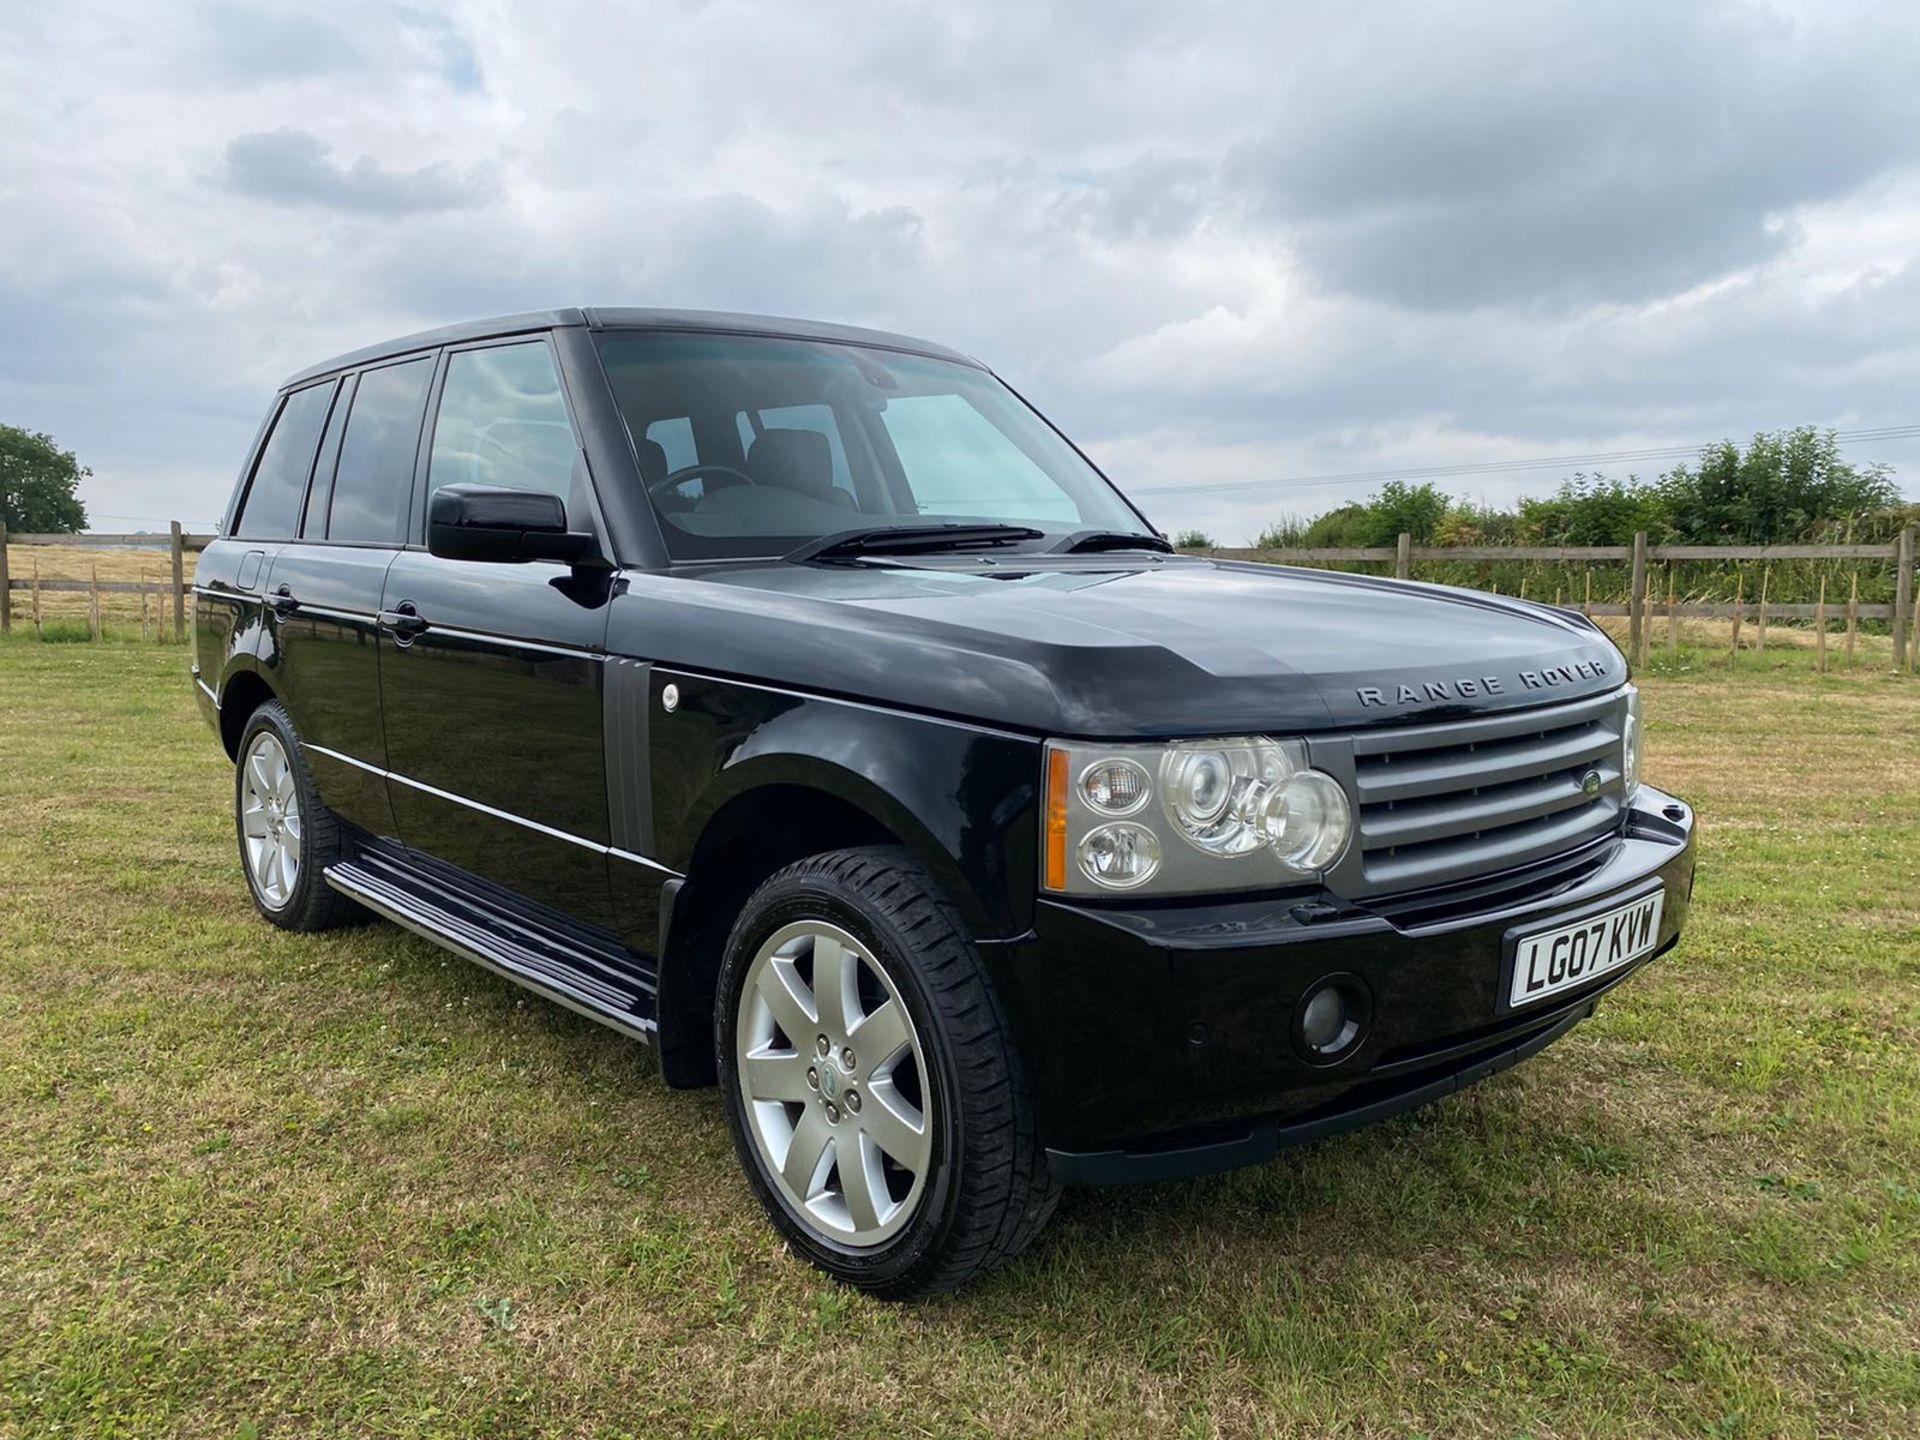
(797,460)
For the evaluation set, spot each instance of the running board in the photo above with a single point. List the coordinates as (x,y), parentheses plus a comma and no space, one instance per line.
(589,978)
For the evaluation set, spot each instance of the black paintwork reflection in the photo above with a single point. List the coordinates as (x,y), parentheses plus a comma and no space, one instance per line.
(962,798)
(1111,646)
(327,669)
(1106,1013)
(502,721)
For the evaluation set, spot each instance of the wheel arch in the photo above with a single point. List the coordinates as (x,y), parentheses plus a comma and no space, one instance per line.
(244,691)
(748,831)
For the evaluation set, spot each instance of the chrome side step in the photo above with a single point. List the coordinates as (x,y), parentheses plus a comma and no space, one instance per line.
(560,968)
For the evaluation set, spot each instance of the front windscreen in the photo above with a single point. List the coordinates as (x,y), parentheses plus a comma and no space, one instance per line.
(752,445)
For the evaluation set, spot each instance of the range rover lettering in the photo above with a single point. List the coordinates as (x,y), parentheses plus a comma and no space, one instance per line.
(797,699)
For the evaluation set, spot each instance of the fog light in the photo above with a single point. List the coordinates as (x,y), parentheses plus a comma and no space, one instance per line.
(1331,1019)
(1325,1022)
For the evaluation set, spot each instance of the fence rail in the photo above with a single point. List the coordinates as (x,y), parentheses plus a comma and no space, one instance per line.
(1640,608)
(177,541)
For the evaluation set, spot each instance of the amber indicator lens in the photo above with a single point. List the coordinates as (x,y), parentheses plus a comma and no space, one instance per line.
(1057,762)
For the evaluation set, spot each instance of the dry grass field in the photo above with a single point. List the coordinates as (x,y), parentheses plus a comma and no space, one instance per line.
(120,612)
(267,1185)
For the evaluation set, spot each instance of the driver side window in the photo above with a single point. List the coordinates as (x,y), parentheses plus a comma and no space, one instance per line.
(503,421)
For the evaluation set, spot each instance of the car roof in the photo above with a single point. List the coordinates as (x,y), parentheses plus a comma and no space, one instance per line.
(716,321)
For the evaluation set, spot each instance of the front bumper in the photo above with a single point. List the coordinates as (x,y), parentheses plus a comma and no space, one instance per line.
(1157,1041)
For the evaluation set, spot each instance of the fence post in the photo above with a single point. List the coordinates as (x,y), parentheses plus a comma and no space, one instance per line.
(6,586)
(1903,598)
(93,603)
(1403,558)
(179,585)
(1673,614)
(1853,617)
(1820,627)
(1637,601)
(37,634)
(1760,630)
(1739,614)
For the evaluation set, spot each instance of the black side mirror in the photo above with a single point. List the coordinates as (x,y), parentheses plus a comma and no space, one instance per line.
(489,522)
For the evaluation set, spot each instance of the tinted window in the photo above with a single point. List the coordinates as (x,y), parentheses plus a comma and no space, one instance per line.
(272,506)
(832,421)
(504,422)
(314,525)
(374,480)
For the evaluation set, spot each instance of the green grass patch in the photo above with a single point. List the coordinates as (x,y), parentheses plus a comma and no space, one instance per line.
(266,1185)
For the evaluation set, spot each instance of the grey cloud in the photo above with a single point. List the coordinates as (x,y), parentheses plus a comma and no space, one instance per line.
(246,44)
(1207,239)
(292,166)
(1585,155)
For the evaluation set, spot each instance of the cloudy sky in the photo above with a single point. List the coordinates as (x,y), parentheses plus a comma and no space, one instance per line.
(1219,243)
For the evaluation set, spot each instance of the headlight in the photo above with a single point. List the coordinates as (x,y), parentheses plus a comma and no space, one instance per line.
(1236,814)
(1630,745)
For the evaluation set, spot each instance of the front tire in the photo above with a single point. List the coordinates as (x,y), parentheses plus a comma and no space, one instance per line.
(287,837)
(870,1081)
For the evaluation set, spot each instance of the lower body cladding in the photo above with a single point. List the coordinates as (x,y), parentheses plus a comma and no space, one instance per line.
(1185,1038)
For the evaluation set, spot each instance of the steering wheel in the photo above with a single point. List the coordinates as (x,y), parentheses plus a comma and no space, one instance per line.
(700,472)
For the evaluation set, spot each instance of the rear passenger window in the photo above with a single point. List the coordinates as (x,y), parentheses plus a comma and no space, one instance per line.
(374,480)
(320,493)
(271,510)
(504,422)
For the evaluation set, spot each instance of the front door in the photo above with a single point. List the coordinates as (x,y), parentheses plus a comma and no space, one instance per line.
(492,673)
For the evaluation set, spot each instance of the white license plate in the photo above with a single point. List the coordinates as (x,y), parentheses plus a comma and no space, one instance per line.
(1550,961)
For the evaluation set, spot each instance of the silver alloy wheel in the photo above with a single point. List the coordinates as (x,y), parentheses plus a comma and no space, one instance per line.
(834,1084)
(270,827)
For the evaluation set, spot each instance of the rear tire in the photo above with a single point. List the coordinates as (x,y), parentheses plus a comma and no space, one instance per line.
(895,1211)
(287,837)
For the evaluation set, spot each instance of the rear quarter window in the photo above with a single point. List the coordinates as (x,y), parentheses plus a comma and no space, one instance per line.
(271,509)
(374,480)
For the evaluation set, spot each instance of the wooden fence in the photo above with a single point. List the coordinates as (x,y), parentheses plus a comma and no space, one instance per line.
(176,541)
(1639,608)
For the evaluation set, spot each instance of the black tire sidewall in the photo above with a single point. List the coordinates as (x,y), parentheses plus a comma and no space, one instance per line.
(272,716)
(893,1263)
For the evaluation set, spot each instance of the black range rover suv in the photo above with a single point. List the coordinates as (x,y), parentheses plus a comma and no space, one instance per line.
(796,698)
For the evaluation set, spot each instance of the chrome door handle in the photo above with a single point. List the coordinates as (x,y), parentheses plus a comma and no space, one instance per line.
(282,601)
(403,620)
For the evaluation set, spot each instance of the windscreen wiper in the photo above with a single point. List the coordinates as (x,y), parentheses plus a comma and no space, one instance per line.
(1084,542)
(911,540)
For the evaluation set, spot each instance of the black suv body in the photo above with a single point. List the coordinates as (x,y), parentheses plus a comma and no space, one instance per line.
(795,698)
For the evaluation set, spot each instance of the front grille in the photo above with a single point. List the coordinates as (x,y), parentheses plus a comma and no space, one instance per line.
(1441,803)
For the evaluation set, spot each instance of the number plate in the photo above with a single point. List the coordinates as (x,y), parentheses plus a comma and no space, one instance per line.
(1548,962)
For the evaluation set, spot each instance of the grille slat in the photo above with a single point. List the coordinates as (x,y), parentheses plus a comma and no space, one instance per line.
(1415,821)
(1449,802)
(1441,772)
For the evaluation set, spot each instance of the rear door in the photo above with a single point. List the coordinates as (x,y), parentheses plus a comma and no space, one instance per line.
(323,592)
(493,702)
(230,581)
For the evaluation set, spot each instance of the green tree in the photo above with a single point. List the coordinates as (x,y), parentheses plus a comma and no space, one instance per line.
(38,481)
(1593,510)
(1776,489)
(1401,508)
